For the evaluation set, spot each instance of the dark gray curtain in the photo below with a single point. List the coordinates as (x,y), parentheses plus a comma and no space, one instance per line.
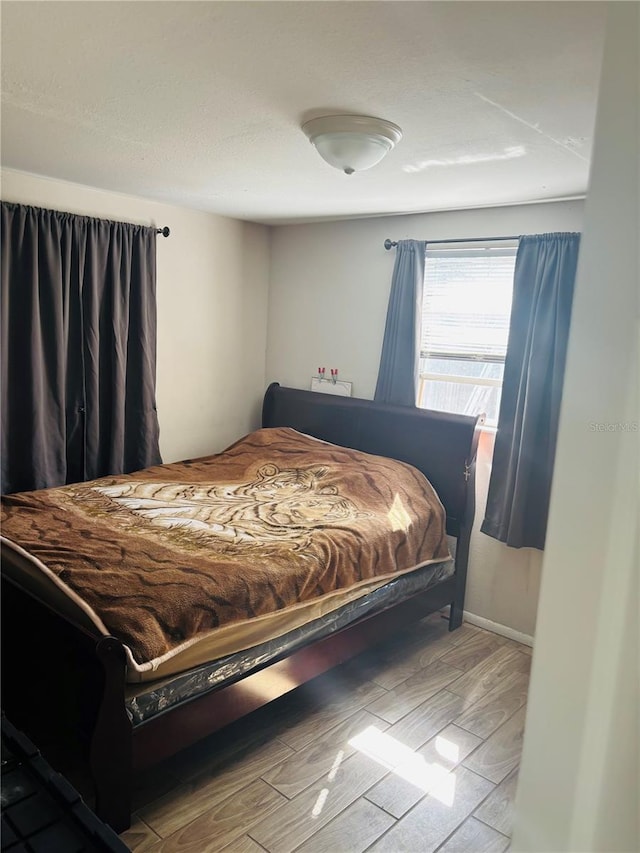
(78,348)
(398,375)
(520,484)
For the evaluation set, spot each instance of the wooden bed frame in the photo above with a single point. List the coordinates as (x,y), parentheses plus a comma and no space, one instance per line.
(46,655)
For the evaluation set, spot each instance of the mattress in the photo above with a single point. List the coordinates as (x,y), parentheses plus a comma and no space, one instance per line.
(146,700)
(194,561)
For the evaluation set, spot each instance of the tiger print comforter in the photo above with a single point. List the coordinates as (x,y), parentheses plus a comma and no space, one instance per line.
(162,556)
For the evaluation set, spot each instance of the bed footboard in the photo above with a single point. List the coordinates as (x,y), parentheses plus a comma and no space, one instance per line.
(65,689)
(111,751)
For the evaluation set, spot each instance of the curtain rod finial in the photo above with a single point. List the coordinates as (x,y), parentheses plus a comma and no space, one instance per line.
(388,244)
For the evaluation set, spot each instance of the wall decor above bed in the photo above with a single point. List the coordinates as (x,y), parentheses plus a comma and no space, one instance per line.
(207,580)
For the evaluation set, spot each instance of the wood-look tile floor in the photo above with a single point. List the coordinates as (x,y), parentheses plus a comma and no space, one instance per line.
(413,746)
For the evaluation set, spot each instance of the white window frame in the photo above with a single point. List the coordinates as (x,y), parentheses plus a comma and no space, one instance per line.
(426,376)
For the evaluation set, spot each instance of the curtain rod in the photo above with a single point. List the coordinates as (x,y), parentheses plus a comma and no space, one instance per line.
(389,243)
(164,231)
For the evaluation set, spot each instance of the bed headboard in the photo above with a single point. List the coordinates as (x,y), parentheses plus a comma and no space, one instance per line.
(441,445)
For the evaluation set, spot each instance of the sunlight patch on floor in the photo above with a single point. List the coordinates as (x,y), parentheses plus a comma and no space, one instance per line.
(383,748)
(447,749)
(319,803)
(337,761)
(432,778)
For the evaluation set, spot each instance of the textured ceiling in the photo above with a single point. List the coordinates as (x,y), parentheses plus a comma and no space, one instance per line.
(200,103)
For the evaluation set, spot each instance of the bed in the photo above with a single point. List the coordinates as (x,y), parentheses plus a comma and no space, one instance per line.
(141,678)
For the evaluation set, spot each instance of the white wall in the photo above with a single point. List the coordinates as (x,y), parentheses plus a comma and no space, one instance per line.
(578,787)
(329,288)
(212,275)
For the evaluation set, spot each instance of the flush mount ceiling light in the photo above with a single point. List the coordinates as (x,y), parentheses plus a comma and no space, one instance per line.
(352,143)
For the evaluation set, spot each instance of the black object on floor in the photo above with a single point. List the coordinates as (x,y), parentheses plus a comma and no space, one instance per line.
(41,811)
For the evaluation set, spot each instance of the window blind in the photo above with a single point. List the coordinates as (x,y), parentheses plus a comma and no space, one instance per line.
(467,303)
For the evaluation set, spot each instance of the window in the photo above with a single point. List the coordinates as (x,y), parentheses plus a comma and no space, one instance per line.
(465,327)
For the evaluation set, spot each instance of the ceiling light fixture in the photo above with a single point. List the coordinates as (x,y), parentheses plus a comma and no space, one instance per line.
(352,143)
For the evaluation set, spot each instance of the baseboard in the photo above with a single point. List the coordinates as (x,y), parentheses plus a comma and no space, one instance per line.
(495,627)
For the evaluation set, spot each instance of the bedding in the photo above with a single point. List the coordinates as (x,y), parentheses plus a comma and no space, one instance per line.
(191,561)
